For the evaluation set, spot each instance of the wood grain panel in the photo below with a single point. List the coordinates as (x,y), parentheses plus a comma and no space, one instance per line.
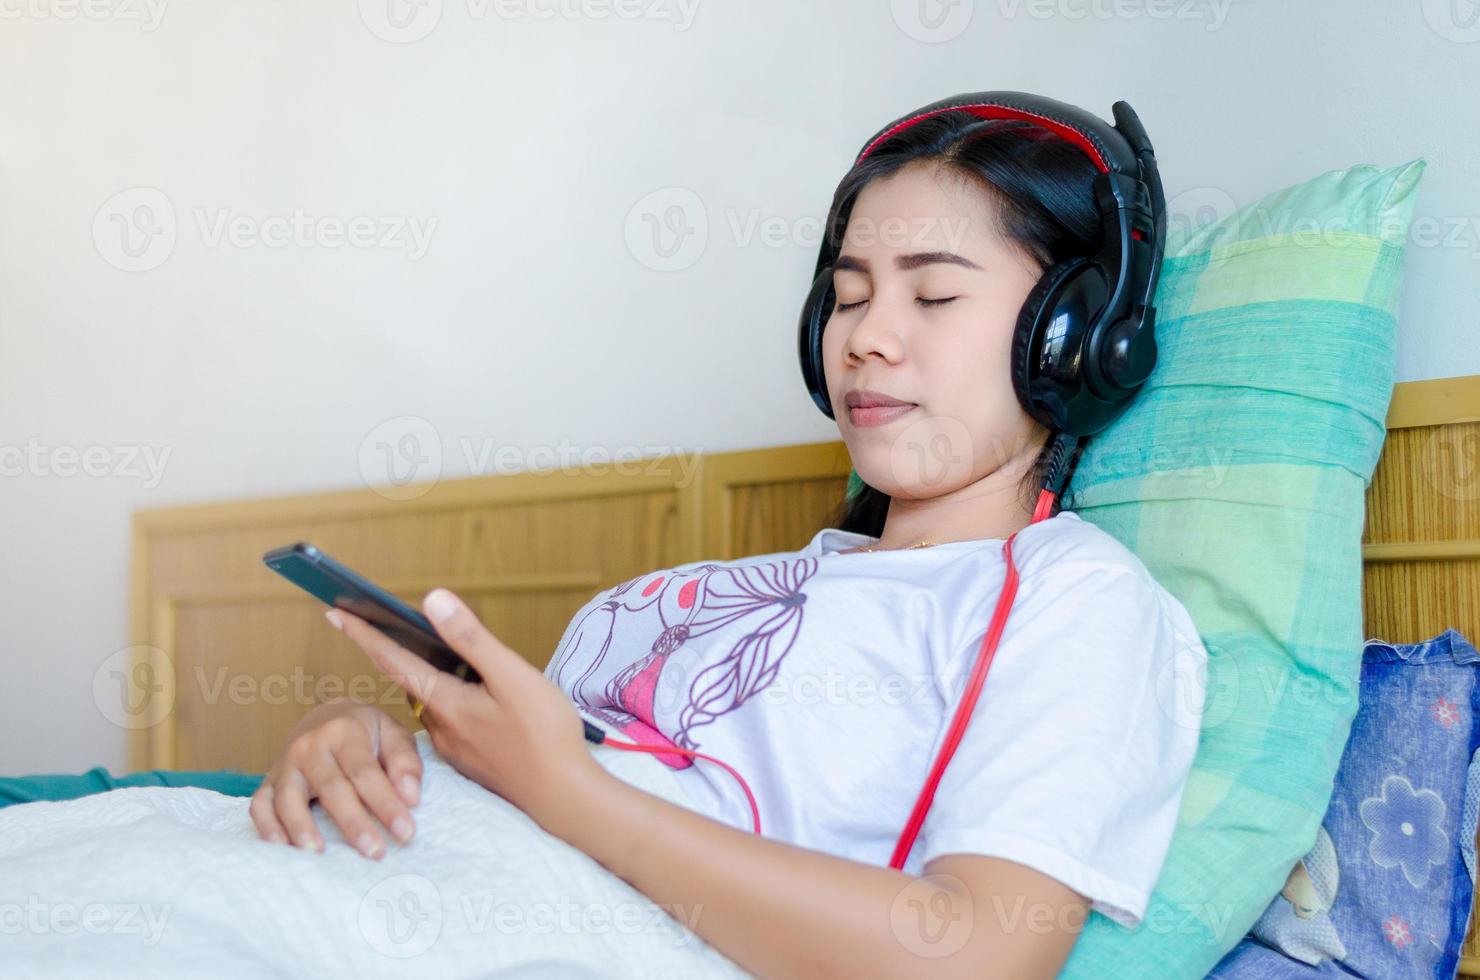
(249,654)
(769,500)
(1433,493)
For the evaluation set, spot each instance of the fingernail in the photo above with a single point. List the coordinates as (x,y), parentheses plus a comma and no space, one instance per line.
(275,838)
(440,604)
(335,620)
(401,827)
(410,790)
(368,845)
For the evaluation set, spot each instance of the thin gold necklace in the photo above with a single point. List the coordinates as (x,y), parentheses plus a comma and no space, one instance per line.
(922,544)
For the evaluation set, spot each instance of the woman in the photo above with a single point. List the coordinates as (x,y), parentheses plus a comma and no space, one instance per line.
(827,676)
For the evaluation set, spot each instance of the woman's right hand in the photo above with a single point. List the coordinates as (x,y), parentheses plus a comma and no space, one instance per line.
(356,761)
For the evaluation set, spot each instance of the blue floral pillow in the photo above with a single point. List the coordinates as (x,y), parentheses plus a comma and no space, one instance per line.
(1387,889)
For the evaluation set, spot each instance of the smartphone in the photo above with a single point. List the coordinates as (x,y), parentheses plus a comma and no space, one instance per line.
(321,576)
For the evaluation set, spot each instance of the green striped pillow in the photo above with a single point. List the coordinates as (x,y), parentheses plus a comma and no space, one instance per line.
(1238,477)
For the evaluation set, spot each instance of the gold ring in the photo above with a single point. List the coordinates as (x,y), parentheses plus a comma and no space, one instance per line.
(416,707)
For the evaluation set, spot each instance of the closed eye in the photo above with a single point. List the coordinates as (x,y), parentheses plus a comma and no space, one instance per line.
(845,307)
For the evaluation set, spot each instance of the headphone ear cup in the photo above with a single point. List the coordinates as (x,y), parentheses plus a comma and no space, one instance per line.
(1127,352)
(1039,399)
(815,313)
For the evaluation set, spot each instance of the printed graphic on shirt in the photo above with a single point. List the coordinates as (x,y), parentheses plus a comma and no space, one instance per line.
(670,610)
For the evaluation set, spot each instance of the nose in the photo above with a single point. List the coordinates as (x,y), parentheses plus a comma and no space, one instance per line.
(873,333)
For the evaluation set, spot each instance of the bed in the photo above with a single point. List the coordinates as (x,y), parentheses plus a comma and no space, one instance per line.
(226,657)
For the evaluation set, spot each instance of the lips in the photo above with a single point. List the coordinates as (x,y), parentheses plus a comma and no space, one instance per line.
(867,417)
(868,398)
(867,408)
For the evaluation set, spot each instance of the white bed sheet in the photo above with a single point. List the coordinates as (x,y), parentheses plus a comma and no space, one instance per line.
(160,882)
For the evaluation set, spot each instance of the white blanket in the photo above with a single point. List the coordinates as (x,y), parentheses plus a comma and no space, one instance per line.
(156,882)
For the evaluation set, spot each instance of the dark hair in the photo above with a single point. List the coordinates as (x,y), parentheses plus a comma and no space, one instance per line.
(1041,194)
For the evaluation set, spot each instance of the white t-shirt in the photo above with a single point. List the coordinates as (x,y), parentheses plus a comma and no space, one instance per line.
(829,682)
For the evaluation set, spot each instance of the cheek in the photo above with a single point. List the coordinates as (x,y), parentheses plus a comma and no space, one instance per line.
(834,336)
(966,359)
(969,384)
(830,344)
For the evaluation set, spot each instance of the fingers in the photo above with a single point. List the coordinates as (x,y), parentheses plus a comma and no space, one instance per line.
(420,679)
(463,632)
(401,761)
(346,762)
(373,787)
(336,794)
(290,801)
(264,817)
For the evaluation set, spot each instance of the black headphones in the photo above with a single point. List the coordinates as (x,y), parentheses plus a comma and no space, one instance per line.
(1085,340)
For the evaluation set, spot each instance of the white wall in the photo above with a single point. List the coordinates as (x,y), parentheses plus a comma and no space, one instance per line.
(523,142)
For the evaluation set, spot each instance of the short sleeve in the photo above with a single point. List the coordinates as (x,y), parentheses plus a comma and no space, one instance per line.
(1080,745)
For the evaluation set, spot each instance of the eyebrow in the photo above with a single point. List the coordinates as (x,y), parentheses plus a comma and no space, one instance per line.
(907,262)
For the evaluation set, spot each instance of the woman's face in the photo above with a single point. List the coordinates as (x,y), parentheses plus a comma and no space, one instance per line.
(928,294)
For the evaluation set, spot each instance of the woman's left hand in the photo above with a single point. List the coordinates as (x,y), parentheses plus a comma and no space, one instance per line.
(516,733)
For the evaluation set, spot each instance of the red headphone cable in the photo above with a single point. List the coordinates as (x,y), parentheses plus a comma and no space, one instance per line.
(597,736)
(973,689)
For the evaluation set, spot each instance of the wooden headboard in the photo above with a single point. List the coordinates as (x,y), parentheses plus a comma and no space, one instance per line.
(228,656)
(1421,546)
